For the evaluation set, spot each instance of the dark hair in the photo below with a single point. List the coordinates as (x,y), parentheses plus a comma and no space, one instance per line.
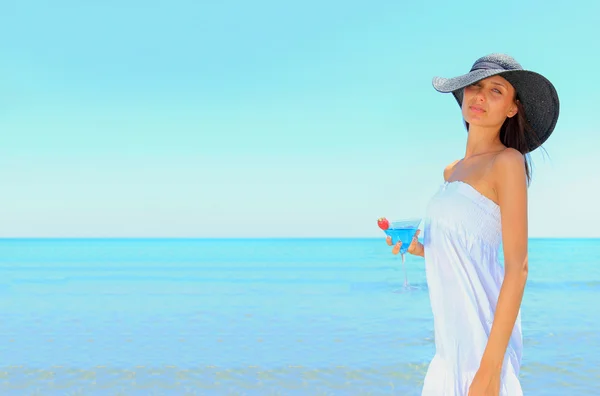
(518,134)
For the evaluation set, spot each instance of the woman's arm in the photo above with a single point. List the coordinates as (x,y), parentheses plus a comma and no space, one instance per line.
(511,189)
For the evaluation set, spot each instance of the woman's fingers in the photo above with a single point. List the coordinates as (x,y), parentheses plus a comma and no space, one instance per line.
(415,238)
(413,243)
(396,248)
(388,240)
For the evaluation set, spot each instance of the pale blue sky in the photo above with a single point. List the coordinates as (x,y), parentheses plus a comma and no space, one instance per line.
(265,118)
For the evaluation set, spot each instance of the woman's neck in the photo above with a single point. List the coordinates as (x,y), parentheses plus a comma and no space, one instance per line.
(482,140)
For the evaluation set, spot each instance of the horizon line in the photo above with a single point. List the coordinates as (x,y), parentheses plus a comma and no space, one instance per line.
(236,238)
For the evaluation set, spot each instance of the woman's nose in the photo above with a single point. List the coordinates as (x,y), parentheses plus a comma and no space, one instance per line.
(479,96)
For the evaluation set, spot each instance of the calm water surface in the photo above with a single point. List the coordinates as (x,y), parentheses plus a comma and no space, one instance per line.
(264,317)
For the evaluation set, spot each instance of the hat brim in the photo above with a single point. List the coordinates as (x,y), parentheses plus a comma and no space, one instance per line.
(535,92)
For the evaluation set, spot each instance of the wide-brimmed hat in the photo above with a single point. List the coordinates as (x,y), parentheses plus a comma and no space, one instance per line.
(535,92)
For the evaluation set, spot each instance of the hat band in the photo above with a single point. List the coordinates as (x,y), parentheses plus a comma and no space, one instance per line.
(486,66)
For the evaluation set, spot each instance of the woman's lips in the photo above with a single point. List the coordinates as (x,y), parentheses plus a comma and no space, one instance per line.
(477,109)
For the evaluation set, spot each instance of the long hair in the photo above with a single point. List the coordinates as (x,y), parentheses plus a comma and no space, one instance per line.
(518,134)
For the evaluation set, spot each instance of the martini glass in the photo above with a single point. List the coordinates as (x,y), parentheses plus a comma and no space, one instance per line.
(403,230)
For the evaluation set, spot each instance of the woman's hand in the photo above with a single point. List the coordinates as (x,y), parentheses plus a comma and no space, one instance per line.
(416,248)
(485,384)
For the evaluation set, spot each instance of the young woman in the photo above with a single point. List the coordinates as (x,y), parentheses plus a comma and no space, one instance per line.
(508,112)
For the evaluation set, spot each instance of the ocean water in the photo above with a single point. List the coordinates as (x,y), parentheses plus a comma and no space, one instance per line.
(264,317)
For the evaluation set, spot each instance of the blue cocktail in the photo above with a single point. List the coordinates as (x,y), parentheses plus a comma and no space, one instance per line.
(401,230)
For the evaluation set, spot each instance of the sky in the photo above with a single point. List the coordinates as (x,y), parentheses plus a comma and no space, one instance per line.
(259,119)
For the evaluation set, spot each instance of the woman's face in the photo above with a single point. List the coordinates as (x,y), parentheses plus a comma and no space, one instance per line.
(488,102)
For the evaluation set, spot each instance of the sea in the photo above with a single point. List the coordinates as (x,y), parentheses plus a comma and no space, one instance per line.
(265,317)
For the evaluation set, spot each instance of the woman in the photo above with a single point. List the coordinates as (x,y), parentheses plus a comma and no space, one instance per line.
(508,112)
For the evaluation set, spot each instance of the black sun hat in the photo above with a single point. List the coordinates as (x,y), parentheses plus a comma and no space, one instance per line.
(535,92)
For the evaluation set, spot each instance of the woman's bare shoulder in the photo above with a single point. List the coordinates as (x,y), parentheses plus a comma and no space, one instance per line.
(449,170)
(509,160)
(509,168)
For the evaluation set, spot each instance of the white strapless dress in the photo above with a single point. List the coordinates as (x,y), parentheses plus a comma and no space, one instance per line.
(462,237)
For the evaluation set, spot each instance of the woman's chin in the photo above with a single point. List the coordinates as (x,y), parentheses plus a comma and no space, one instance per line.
(473,118)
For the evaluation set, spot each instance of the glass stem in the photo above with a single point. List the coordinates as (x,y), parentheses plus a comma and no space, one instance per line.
(405,275)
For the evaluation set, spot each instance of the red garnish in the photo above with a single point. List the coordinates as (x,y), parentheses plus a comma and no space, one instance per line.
(383,223)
